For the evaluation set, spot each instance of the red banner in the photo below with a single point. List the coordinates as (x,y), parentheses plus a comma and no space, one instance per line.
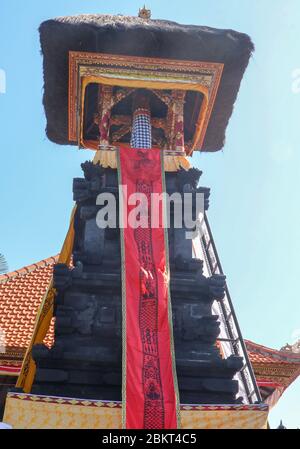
(149,378)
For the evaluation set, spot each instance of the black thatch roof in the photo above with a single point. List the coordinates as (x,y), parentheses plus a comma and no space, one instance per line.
(138,37)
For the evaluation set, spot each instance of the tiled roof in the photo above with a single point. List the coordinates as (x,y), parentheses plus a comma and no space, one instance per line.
(20,295)
(259,358)
(273,368)
(262,354)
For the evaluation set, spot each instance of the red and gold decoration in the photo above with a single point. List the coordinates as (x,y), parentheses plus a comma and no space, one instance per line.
(150,397)
(128,73)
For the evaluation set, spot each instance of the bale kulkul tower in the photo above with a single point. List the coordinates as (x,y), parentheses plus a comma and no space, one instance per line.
(145,333)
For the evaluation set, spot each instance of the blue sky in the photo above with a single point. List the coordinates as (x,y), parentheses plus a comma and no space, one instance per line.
(254,181)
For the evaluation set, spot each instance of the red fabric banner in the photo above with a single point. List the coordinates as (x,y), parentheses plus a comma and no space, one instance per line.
(149,378)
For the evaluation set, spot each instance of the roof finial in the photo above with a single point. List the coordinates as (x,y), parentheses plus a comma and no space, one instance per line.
(145,13)
(295,348)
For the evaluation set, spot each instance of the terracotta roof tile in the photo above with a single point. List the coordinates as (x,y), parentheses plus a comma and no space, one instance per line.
(262,354)
(20,295)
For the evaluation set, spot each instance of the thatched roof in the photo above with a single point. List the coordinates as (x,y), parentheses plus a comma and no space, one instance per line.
(138,37)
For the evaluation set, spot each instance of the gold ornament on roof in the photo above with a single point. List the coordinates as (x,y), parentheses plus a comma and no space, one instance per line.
(145,13)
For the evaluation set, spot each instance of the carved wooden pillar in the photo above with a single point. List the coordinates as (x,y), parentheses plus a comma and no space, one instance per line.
(175,121)
(105,106)
(107,100)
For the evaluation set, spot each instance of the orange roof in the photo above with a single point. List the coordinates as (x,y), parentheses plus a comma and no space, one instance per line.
(20,295)
(258,358)
(262,354)
(273,366)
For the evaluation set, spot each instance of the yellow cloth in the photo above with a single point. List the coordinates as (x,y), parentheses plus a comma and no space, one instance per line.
(44,315)
(24,411)
(108,159)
